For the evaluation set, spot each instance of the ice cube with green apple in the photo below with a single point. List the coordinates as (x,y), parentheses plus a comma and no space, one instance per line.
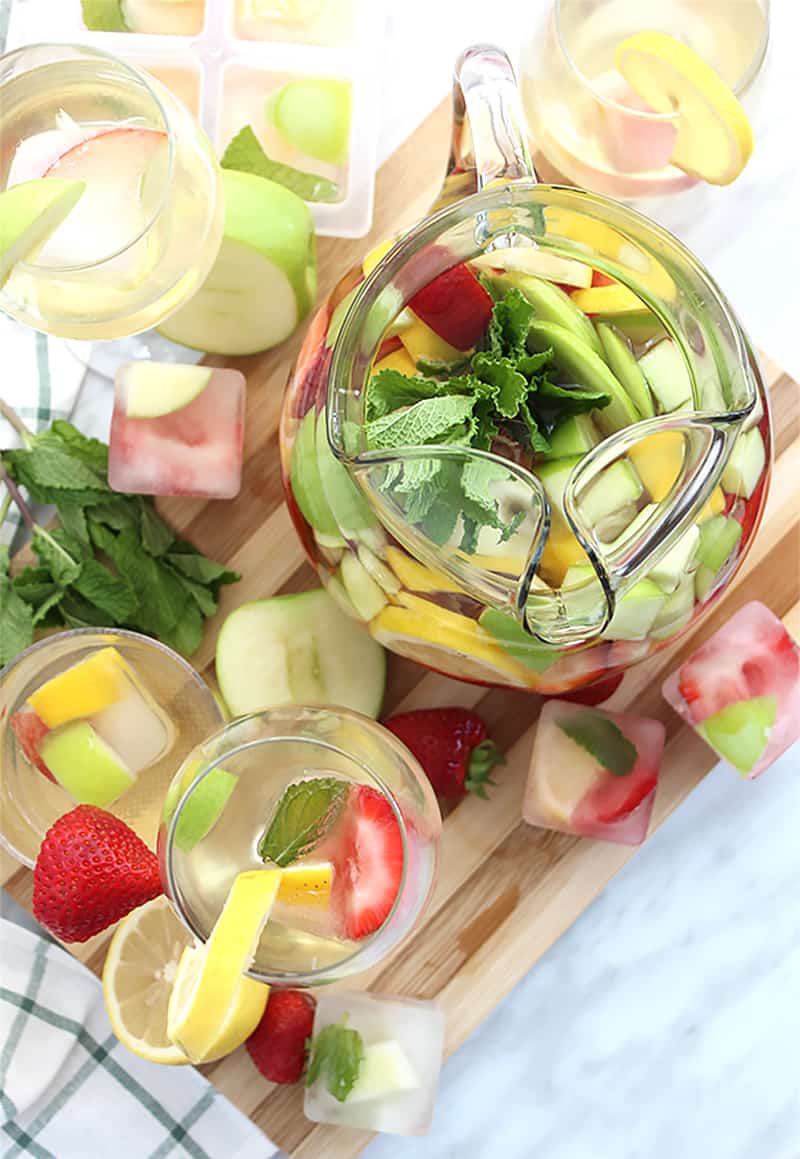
(741,690)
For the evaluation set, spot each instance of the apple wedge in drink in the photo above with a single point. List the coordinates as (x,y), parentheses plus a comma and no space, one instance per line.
(177,430)
(30,213)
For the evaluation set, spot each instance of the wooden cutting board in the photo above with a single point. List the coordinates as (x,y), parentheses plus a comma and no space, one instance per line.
(505,891)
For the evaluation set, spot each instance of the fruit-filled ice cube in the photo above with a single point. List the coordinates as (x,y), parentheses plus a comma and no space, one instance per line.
(92,728)
(374,1062)
(741,690)
(593,773)
(299,21)
(177,430)
(157,17)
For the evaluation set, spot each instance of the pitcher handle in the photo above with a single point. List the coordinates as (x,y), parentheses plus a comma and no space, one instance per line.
(489,138)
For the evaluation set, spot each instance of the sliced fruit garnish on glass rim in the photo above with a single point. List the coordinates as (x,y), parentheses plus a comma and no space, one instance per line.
(714,137)
(209,980)
(30,213)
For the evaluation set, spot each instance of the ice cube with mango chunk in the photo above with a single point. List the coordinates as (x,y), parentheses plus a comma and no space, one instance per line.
(593,773)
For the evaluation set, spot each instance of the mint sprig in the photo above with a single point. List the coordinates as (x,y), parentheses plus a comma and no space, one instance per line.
(603,740)
(305,813)
(245,154)
(113,562)
(499,390)
(338,1050)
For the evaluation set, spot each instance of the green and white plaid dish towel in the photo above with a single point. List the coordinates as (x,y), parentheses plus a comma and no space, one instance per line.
(70,1090)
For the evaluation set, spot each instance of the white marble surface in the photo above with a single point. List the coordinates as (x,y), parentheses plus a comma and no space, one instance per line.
(666,1023)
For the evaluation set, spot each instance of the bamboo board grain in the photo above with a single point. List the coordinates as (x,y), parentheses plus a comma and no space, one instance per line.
(505,891)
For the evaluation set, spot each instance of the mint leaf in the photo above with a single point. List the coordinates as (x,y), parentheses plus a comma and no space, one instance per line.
(304,814)
(337,1050)
(16,616)
(77,612)
(553,403)
(63,567)
(73,523)
(246,154)
(187,560)
(50,473)
(508,329)
(392,390)
(187,635)
(424,422)
(511,387)
(437,369)
(113,595)
(91,452)
(157,538)
(603,740)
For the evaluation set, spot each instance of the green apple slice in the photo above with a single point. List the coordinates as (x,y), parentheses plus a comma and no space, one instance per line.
(103,16)
(313,115)
(203,808)
(156,389)
(740,732)
(84,765)
(298,649)
(30,213)
(264,280)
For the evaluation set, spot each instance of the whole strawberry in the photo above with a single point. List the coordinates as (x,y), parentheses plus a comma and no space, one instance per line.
(452,746)
(278,1044)
(92,870)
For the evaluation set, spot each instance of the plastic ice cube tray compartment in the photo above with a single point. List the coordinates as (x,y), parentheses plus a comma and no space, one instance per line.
(205,69)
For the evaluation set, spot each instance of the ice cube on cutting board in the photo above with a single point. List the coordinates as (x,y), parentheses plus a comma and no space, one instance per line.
(177,430)
(93,728)
(396,1085)
(741,690)
(593,773)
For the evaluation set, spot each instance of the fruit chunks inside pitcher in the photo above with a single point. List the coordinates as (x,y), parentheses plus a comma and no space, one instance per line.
(741,690)
(537,359)
(93,728)
(594,773)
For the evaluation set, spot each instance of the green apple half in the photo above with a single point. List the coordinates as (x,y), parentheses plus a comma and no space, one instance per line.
(264,280)
(29,214)
(155,389)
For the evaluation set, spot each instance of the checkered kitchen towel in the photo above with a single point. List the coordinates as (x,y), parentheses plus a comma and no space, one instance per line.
(70,1090)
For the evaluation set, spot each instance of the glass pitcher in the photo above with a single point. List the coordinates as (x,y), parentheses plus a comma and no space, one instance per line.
(553,553)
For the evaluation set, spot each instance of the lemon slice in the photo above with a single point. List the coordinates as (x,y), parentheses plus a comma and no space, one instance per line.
(209,983)
(306,885)
(215,1032)
(141,964)
(714,137)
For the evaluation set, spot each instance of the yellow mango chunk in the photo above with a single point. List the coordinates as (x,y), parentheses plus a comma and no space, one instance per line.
(715,505)
(561,551)
(423,623)
(306,885)
(422,342)
(658,460)
(88,687)
(376,255)
(607,300)
(398,360)
(416,576)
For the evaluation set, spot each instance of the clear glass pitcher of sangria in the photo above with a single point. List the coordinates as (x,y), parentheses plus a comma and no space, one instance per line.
(527,443)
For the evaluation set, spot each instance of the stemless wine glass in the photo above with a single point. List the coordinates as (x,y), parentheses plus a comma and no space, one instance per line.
(30,799)
(587,125)
(226,795)
(146,229)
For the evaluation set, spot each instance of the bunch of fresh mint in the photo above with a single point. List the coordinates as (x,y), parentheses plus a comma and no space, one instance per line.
(500,390)
(113,562)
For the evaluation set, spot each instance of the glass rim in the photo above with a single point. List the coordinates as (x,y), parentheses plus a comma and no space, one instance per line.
(343,966)
(645,115)
(140,77)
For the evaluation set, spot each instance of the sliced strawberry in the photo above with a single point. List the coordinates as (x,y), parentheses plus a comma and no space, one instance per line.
(615,797)
(599,279)
(455,306)
(753,655)
(368,863)
(30,730)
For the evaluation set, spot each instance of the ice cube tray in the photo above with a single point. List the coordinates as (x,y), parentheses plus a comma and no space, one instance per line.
(205,70)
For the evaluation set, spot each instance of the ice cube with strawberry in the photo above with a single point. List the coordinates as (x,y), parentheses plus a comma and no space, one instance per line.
(593,773)
(177,430)
(741,690)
